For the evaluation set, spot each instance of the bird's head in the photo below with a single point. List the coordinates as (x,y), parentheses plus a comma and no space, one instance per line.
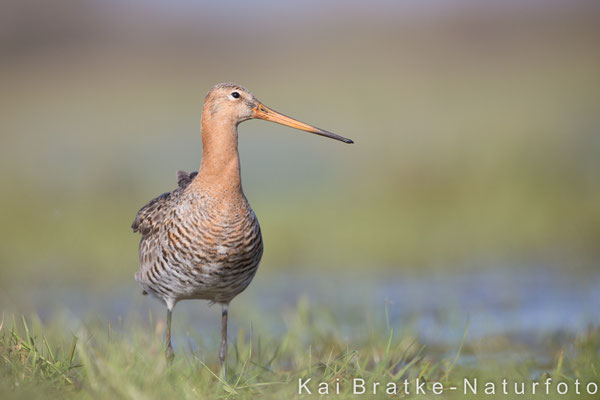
(231,102)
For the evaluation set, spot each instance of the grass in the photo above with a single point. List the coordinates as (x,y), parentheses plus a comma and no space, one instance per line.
(39,360)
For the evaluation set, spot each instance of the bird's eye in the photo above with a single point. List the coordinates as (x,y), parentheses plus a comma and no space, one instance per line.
(235,95)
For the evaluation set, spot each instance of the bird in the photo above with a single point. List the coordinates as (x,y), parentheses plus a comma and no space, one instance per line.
(202,240)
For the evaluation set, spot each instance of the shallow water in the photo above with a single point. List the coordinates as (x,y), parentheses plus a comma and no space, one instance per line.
(518,302)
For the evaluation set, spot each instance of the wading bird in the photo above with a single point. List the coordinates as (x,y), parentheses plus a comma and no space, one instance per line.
(202,240)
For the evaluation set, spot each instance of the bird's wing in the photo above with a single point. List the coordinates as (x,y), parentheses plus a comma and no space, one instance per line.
(184,179)
(152,214)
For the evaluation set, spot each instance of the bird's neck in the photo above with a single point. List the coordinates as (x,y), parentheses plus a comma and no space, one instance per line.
(220,166)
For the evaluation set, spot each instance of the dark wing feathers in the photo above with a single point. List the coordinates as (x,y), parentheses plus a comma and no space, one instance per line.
(152,214)
(184,179)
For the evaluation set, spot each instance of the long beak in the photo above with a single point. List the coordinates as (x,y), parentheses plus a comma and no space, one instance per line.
(264,112)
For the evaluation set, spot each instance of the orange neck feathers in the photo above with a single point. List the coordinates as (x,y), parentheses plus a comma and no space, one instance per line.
(220,167)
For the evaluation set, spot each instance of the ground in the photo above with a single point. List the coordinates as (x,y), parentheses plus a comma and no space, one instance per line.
(41,360)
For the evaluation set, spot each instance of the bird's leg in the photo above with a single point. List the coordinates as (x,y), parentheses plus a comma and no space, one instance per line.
(223,350)
(170,354)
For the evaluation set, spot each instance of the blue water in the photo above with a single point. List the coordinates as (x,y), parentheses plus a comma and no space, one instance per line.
(521,303)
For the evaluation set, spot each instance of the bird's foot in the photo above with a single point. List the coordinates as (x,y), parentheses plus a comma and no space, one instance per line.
(224,372)
(170,355)
(222,357)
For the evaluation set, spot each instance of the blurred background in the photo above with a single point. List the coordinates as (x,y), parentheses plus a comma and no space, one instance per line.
(477,130)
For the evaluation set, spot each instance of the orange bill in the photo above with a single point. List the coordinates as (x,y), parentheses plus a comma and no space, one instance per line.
(264,112)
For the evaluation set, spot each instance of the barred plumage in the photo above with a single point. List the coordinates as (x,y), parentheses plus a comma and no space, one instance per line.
(195,247)
(202,240)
